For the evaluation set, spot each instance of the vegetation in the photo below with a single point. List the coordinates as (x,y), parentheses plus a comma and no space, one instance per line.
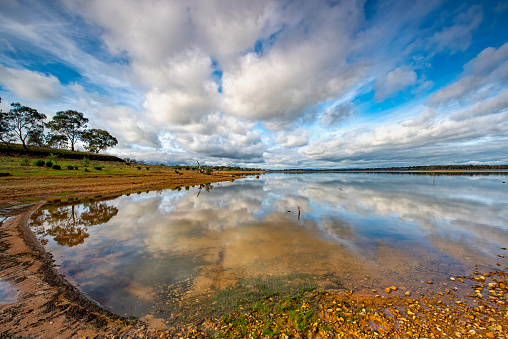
(98,139)
(39,162)
(66,128)
(69,123)
(20,122)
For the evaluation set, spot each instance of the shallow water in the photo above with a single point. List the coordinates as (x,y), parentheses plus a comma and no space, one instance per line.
(7,293)
(156,252)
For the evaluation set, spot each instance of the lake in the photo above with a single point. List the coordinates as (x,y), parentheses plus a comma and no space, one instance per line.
(182,251)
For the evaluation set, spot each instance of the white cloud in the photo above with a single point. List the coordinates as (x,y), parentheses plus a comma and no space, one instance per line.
(493,105)
(485,72)
(29,85)
(296,138)
(304,66)
(459,36)
(221,136)
(394,82)
(334,115)
(226,80)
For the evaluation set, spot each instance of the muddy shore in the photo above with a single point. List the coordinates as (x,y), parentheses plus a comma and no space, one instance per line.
(48,306)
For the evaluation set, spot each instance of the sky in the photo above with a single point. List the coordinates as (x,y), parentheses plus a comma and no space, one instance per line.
(270,84)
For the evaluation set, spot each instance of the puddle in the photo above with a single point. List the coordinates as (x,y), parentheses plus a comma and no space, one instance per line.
(7,293)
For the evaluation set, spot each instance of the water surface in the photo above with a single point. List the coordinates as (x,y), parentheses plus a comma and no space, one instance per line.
(7,293)
(155,252)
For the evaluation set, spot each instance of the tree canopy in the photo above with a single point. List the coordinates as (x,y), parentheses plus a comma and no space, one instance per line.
(98,139)
(21,121)
(70,123)
(67,127)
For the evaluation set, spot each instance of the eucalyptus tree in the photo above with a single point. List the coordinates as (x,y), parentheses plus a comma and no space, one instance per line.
(22,121)
(98,139)
(6,132)
(70,123)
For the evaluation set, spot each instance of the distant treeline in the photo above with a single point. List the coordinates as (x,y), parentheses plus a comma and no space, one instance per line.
(405,169)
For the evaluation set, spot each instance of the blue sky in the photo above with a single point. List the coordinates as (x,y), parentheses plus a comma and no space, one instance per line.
(273,84)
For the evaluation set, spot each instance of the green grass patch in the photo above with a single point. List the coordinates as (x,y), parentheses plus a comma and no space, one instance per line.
(32,199)
(63,193)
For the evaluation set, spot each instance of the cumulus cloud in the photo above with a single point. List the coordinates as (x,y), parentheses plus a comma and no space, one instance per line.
(250,81)
(222,137)
(29,85)
(296,138)
(394,82)
(173,47)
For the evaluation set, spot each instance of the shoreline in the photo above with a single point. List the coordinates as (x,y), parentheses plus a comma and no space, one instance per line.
(26,189)
(48,306)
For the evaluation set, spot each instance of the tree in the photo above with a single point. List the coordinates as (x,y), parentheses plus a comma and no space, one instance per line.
(36,137)
(57,140)
(6,131)
(23,120)
(98,139)
(69,123)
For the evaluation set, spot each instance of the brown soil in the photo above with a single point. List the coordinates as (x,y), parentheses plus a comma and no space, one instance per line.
(17,189)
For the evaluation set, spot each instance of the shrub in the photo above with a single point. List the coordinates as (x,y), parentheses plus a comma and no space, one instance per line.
(57,167)
(49,163)
(39,162)
(85,162)
(98,168)
(70,168)
(208,171)
(187,168)
(87,170)
(52,157)
(25,162)
(178,167)
(147,168)
(75,167)
(138,167)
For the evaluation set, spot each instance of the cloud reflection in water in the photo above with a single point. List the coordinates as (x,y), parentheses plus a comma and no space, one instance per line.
(366,230)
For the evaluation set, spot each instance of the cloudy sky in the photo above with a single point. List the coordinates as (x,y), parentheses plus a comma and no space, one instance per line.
(273,84)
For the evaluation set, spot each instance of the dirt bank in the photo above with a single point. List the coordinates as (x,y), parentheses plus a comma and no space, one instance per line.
(15,189)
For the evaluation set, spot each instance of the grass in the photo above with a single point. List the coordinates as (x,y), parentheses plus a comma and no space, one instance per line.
(28,166)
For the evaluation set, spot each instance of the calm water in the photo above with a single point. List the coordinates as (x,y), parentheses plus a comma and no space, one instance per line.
(156,252)
(7,293)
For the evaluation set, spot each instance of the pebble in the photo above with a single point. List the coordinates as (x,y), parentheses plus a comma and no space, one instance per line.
(407,294)
(452,278)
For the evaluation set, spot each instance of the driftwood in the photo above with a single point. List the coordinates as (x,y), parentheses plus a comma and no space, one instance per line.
(200,170)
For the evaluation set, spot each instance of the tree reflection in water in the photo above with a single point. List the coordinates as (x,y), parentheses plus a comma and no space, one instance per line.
(67,224)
